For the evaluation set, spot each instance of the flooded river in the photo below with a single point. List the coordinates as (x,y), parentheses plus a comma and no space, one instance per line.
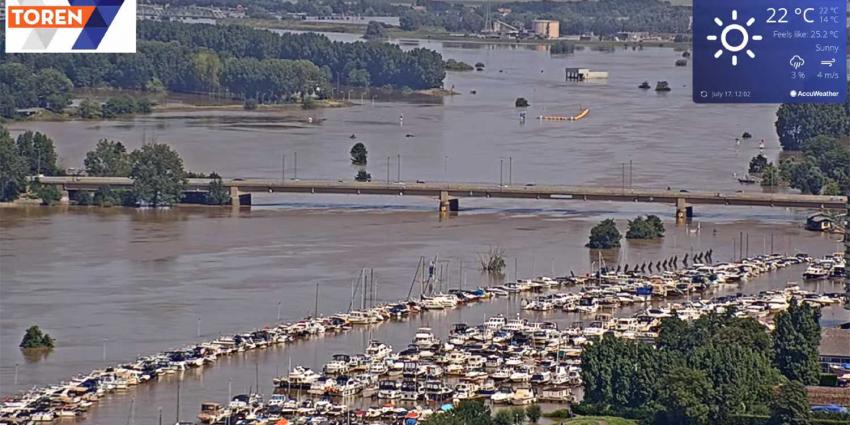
(110,284)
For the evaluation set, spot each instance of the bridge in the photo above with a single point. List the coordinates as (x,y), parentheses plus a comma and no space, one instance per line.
(448,193)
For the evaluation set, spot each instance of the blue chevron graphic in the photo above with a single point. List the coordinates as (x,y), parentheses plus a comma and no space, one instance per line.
(95,29)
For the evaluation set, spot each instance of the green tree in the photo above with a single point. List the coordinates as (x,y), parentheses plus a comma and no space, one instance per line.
(757,164)
(106,197)
(34,338)
(13,168)
(684,398)
(158,175)
(831,188)
(770,176)
(363,176)
(108,159)
(804,175)
(39,152)
(798,123)
(521,102)
(375,31)
(503,417)
(533,413)
(790,406)
(206,68)
(48,193)
(89,109)
(218,194)
(359,77)
(359,154)
(518,414)
(650,227)
(604,235)
(796,337)
(53,89)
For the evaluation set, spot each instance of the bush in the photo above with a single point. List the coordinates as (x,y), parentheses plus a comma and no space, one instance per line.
(359,154)
(757,164)
(48,194)
(521,102)
(35,339)
(533,413)
(250,104)
(453,65)
(604,235)
(363,176)
(650,227)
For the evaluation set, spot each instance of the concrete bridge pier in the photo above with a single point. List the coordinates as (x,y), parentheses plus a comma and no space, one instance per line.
(683,210)
(447,203)
(237,199)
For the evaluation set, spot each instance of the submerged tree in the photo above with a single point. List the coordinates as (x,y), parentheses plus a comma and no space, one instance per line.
(109,158)
(218,194)
(604,235)
(36,339)
(358,154)
(494,261)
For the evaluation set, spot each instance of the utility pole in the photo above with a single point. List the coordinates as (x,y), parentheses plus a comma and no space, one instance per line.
(510,170)
(296,166)
(388,170)
(398,171)
(282,167)
(501,168)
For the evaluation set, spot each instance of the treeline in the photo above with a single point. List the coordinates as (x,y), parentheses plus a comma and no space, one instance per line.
(159,178)
(718,369)
(819,135)
(385,64)
(235,61)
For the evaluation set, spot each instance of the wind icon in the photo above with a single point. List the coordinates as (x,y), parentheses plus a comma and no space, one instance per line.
(735,27)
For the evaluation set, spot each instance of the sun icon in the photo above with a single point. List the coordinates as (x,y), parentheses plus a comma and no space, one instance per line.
(742,30)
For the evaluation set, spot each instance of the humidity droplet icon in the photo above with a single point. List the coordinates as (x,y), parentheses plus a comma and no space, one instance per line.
(736,29)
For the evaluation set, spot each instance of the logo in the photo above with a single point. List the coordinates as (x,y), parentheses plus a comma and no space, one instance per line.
(737,30)
(70,26)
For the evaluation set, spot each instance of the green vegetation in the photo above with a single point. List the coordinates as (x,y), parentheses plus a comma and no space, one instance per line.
(796,124)
(218,194)
(39,153)
(109,158)
(521,102)
(604,235)
(375,31)
(757,164)
(358,154)
(35,339)
(796,339)
(125,105)
(158,175)
(453,65)
(228,61)
(790,406)
(13,168)
(49,194)
(533,413)
(650,227)
(714,370)
(770,176)
(363,176)
(22,86)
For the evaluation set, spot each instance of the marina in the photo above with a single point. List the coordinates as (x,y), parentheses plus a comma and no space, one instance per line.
(505,360)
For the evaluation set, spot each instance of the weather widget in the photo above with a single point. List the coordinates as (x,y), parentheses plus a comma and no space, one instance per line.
(768,51)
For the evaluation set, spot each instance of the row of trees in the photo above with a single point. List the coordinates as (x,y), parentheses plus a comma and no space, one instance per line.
(114,107)
(159,178)
(385,64)
(234,61)
(605,235)
(707,371)
(821,167)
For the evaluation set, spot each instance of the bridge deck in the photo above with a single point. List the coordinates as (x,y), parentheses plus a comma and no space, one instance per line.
(483,190)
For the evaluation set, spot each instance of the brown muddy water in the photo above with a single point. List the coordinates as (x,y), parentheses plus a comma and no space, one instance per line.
(123,282)
(110,284)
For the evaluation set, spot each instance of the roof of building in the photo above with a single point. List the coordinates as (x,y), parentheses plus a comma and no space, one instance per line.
(835,342)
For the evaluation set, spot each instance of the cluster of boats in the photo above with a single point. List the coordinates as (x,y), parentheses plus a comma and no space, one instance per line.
(504,360)
(829,267)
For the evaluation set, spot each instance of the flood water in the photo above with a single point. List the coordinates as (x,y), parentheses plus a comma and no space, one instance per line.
(110,284)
